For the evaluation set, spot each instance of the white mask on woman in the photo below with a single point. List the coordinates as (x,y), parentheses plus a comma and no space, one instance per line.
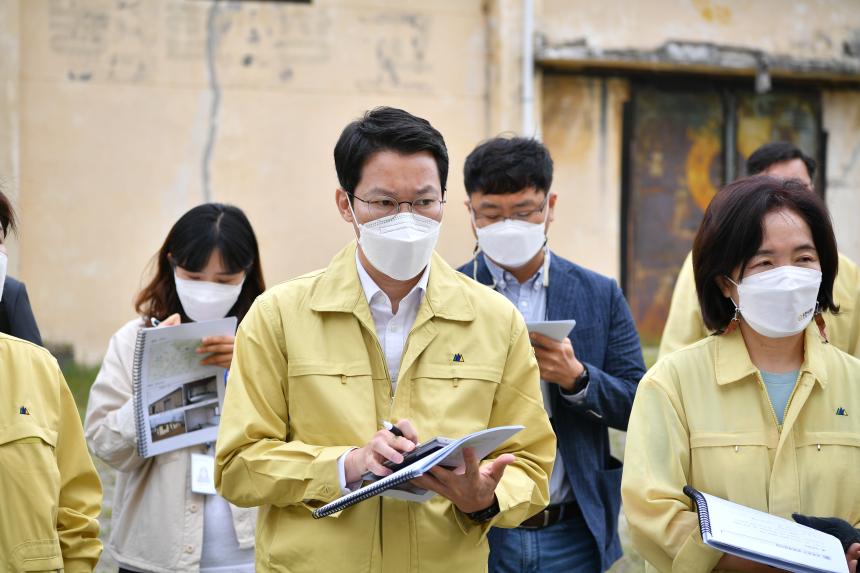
(779,302)
(512,243)
(204,300)
(399,246)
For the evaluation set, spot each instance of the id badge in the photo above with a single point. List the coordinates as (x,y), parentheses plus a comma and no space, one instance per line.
(203,474)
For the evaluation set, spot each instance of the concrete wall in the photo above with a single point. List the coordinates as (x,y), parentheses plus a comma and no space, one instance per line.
(121,100)
(800,28)
(116,116)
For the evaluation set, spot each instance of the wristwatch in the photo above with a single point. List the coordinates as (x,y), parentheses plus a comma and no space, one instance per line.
(581,381)
(485,515)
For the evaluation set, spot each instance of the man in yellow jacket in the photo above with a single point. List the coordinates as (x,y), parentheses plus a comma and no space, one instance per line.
(50,493)
(684,324)
(388,332)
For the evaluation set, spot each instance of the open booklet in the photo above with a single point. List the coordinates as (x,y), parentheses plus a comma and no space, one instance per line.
(177,400)
(766,538)
(449,455)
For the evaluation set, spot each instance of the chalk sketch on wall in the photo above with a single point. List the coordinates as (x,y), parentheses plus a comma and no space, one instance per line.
(260,45)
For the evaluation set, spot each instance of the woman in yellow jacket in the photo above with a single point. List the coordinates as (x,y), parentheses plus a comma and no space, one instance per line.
(50,493)
(207,268)
(764,412)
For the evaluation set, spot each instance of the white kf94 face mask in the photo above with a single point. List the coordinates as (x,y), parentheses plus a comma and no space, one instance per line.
(399,246)
(779,302)
(203,300)
(512,243)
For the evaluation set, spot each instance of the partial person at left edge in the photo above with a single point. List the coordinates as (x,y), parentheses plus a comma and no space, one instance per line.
(50,491)
(16,315)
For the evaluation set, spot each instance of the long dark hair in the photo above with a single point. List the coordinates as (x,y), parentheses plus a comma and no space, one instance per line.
(189,244)
(7,217)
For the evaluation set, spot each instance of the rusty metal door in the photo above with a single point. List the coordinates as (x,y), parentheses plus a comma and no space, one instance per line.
(675,166)
(680,146)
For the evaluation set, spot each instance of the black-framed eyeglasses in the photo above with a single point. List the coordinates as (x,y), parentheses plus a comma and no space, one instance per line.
(526,215)
(387,206)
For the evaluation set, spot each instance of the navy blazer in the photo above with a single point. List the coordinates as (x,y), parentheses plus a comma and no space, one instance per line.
(16,316)
(606,341)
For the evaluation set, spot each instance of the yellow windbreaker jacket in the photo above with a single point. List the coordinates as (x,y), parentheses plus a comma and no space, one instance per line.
(309,382)
(684,324)
(50,493)
(702,417)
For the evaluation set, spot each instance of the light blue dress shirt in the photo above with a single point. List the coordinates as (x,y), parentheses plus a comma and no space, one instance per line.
(530,299)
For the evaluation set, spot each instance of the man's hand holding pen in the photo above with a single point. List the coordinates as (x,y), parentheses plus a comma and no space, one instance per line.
(386,444)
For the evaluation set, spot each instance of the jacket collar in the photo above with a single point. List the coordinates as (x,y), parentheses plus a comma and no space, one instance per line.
(339,289)
(733,361)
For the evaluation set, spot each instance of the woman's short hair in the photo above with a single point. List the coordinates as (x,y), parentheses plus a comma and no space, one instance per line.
(189,244)
(731,233)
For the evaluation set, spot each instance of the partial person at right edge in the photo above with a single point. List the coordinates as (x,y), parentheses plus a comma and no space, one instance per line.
(208,268)
(16,315)
(684,325)
(588,380)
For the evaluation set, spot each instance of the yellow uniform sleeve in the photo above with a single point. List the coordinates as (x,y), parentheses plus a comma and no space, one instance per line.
(80,490)
(684,325)
(256,463)
(664,528)
(524,488)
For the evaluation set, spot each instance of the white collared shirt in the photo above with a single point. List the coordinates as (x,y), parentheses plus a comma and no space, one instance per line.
(392,329)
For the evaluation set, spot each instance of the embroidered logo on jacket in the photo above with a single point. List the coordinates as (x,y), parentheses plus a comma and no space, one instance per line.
(840,411)
(458,357)
(24,411)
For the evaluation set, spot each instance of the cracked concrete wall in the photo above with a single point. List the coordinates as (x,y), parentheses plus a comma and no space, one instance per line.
(9,118)
(117,111)
(827,29)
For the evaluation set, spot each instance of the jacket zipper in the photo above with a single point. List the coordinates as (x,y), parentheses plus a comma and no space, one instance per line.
(387,373)
(769,403)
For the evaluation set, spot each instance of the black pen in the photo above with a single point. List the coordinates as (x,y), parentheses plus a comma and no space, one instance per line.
(392,428)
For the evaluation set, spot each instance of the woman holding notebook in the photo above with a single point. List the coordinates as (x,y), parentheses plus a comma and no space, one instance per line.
(207,268)
(764,412)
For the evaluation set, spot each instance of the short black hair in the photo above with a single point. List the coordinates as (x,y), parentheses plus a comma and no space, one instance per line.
(386,129)
(731,233)
(7,216)
(504,165)
(777,152)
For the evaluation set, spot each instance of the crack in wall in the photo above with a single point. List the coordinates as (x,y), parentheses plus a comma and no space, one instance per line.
(212,38)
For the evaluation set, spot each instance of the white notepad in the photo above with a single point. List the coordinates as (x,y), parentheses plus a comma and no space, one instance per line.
(766,538)
(483,442)
(177,400)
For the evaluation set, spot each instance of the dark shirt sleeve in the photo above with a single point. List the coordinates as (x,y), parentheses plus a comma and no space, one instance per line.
(22,323)
(612,385)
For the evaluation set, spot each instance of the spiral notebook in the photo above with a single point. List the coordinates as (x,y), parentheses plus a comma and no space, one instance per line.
(177,400)
(483,442)
(766,538)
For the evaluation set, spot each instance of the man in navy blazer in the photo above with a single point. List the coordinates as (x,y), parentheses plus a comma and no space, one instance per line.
(16,315)
(588,379)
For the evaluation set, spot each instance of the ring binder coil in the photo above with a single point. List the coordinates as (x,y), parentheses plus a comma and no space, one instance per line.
(701,509)
(365,493)
(136,371)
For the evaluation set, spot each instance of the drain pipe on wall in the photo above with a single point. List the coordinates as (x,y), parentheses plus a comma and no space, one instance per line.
(527,128)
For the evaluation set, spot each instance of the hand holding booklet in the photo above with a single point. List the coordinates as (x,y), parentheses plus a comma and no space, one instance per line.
(177,400)
(766,538)
(437,452)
